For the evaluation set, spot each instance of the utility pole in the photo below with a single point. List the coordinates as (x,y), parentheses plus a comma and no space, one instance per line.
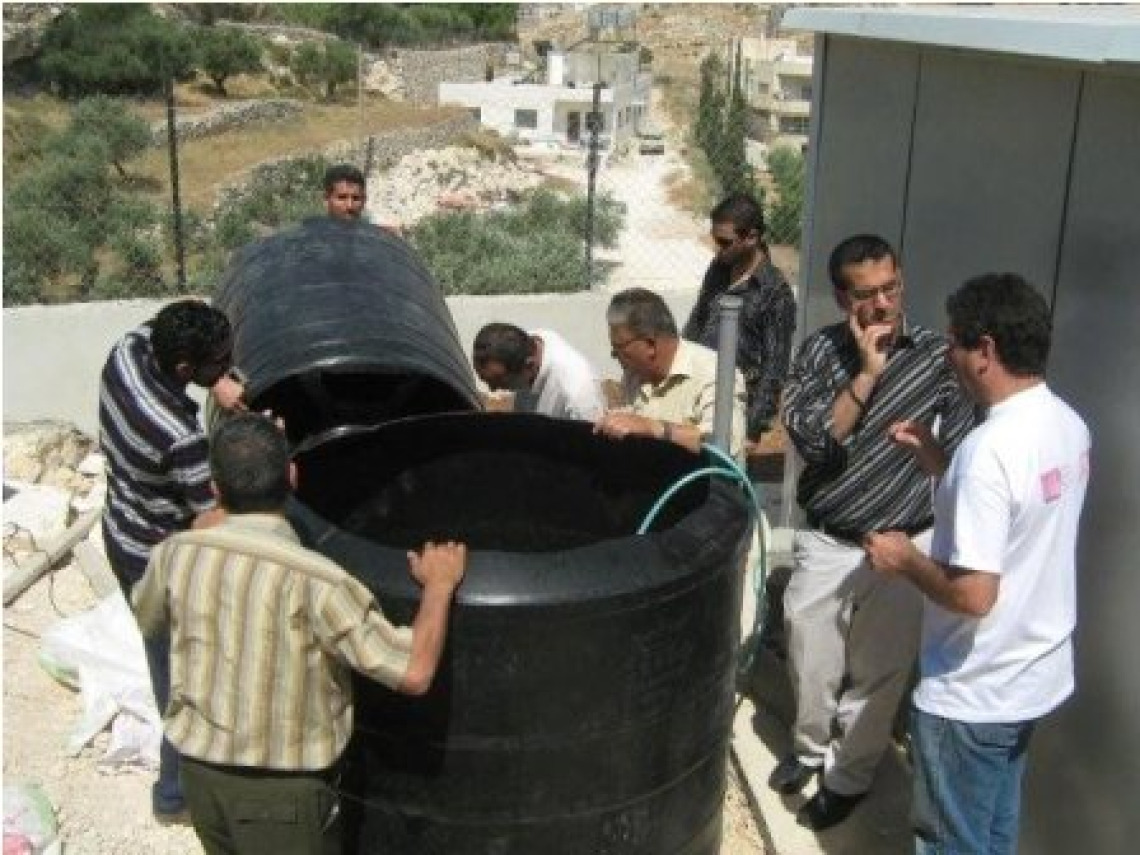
(594,126)
(175,198)
(360,93)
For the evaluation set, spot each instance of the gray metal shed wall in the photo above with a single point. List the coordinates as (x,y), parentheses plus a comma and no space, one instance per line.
(971,162)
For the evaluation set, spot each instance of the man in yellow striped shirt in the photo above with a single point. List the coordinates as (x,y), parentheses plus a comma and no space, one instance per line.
(264,634)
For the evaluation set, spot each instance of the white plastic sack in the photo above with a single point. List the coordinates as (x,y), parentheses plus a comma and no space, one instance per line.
(30,826)
(101,651)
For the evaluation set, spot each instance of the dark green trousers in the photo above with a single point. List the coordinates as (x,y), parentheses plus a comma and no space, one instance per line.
(242,811)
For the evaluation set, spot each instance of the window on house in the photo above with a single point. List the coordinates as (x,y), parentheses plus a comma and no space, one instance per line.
(477,113)
(794,124)
(527,119)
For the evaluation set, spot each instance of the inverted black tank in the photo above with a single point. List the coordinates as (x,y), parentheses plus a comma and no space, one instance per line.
(338,323)
(584,702)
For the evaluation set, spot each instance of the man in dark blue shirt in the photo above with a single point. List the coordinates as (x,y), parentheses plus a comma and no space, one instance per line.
(158,474)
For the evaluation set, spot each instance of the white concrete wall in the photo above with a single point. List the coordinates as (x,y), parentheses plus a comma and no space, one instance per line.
(53,354)
(498,101)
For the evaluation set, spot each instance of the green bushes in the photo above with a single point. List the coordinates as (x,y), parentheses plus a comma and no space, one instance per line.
(535,248)
(70,221)
(114,48)
(224,52)
(75,230)
(275,195)
(786,213)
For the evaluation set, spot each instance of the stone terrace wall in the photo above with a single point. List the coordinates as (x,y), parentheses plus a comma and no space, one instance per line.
(423,70)
(239,114)
(386,149)
(280,32)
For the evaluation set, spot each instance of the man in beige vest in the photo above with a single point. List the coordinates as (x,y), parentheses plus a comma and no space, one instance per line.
(668,384)
(264,634)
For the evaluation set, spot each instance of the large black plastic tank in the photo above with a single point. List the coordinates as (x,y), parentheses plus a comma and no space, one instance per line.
(338,323)
(584,702)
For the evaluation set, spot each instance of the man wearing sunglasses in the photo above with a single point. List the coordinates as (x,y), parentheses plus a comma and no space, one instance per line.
(853,633)
(742,266)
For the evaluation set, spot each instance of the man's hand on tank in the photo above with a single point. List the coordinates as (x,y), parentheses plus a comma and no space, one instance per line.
(278,421)
(229,393)
(619,425)
(441,565)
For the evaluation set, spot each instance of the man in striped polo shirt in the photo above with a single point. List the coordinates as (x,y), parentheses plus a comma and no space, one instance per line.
(264,634)
(852,633)
(158,478)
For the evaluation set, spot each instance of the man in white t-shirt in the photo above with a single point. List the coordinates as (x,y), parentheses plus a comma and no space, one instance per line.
(1000,581)
(546,374)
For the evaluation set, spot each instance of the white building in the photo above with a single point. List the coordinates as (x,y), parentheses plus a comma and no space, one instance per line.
(776,79)
(555,111)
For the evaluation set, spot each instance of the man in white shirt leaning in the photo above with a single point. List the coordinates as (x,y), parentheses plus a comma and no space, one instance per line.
(546,374)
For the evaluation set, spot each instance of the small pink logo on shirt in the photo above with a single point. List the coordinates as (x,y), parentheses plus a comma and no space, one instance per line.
(1052,485)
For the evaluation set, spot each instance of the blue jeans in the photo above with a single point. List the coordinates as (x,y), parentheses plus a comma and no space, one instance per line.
(166,794)
(967,785)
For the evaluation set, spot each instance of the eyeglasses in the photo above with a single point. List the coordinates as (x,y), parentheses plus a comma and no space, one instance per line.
(889,290)
(616,346)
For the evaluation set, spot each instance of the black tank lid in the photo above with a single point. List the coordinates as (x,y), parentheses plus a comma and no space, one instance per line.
(338,324)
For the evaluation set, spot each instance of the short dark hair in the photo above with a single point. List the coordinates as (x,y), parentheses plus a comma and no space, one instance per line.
(343,172)
(1009,310)
(506,344)
(249,462)
(642,312)
(855,250)
(743,211)
(188,331)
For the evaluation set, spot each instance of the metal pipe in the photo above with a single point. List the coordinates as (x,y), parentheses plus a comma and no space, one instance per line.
(728,331)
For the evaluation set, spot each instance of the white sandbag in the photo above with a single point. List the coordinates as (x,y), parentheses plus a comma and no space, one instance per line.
(101,651)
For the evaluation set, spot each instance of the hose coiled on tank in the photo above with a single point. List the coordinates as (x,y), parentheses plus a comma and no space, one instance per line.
(726,467)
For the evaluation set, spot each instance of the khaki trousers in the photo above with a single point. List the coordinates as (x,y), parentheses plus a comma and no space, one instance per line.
(242,811)
(852,636)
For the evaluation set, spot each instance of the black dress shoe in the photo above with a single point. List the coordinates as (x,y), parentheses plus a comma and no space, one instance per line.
(826,808)
(790,775)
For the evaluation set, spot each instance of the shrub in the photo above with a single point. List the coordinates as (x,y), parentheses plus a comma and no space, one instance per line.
(785,214)
(224,52)
(114,48)
(106,122)
(274,196)
(538,247)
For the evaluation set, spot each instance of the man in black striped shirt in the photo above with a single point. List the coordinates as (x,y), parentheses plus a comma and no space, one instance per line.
(158,474)
(853,634)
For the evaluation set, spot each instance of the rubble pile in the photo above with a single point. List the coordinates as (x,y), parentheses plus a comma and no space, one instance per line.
(51,477)
(453,178)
